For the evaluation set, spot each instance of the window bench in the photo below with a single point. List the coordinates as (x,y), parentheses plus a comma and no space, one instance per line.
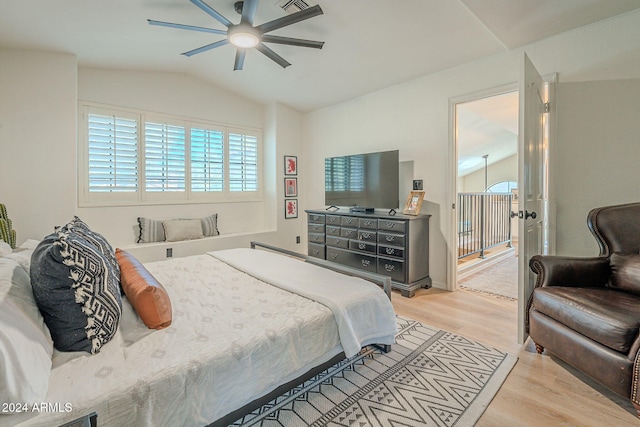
(147,252)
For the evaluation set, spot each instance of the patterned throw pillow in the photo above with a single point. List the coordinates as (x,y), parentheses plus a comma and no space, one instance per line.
(79,227)
(76,290)
(151,230)
(210,225)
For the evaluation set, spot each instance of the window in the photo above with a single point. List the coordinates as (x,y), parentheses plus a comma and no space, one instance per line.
(502,187)
(131,157)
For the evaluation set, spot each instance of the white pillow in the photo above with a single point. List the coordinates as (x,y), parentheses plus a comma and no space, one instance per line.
(25,342)
(5,248)
(182,229)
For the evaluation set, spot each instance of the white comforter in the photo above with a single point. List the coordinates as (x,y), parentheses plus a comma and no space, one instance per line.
(233,338)
(363,313)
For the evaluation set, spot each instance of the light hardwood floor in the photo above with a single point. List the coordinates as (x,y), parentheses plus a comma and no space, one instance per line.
(541,390)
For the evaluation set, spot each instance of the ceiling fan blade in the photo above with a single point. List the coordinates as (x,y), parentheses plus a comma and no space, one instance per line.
(206,47)
(291,41)
(290,19)
(240,54)
(272,55)
(249,11)
(186,27)
(211,11)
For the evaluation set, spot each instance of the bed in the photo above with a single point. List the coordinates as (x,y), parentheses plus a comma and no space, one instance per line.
(245,323)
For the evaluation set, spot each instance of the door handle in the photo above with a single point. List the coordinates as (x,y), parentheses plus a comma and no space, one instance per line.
(513,214)
(531,215)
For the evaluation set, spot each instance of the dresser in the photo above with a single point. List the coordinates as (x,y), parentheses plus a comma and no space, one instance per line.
(393,245)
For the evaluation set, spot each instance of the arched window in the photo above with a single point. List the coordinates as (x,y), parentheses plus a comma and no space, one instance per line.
(502,187)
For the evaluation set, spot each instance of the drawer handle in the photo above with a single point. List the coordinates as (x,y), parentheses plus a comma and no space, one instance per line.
(367,223)
(334,256)
(391,224)
(333,219)
(348,232)
(390,238)
(349,220)
(362,245)
(316,217)
(389,267)
(390,251)
(336,241)
(366,263)
(316,251)
(366,235)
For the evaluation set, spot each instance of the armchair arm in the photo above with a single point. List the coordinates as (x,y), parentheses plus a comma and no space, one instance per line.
(570,271)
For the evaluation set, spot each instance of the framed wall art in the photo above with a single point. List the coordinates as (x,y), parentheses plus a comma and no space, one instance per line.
(291,187)
(414,203)
(290,165)
(291,208)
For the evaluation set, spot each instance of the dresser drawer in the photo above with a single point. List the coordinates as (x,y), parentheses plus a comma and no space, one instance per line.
(349,221)
(315,228)
(317,218)
(391,267)
(391,239)
(369,223)
(338,242)
(315,250)
(333,219)
(357,260)
(333,230)
(349,233)
(367,236)
(316,238)
(390,251)
(391,225)
(359,245)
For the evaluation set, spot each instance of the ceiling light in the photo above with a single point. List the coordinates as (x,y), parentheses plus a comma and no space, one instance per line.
(243,36)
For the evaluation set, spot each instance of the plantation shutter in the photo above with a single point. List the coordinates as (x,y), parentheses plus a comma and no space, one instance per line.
(207,160)
(112,153)
(164,157)
(243,162)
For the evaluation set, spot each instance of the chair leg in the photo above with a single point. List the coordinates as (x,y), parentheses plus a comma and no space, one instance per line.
(539,348)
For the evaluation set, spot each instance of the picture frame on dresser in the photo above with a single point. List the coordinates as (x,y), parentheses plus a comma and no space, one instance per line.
(290,208)
(414,203)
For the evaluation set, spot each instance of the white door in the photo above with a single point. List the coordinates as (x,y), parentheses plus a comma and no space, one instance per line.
(531,183)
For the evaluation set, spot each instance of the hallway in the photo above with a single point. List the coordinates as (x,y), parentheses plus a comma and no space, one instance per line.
(498,277)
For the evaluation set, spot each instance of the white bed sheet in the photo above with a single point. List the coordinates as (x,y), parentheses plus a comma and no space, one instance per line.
(228,328)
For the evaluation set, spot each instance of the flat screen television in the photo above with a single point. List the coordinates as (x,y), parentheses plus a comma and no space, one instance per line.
(369,180)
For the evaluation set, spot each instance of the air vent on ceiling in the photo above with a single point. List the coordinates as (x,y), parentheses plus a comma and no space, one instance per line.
(293,6)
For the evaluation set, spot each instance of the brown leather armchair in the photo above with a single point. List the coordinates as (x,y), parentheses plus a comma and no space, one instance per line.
(587,310)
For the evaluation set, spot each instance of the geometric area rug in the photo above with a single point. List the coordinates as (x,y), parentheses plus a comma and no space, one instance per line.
(429,378)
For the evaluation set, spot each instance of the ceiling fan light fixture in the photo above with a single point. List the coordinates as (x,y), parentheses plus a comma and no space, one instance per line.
(243,36)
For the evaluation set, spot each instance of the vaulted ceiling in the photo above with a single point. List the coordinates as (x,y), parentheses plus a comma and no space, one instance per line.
(370,44)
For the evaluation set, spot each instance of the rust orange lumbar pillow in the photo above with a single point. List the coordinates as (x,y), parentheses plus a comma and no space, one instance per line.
(147,296)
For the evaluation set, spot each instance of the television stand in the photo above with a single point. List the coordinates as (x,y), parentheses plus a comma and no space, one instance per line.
(361,209)
(392,245)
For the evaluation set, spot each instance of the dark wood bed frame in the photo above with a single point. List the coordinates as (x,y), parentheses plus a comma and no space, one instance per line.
(378,279)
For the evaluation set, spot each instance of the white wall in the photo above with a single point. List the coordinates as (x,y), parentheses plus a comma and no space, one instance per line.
(598,154)
(38,144)
(37,140)
(413,116)
(504,170)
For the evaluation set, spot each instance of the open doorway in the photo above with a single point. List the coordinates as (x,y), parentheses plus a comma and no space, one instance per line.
(486,138)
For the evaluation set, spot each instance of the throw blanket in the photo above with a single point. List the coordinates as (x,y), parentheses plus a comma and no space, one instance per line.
(362,310)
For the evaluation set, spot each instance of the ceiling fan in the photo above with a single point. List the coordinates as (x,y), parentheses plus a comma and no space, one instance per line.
(245,35)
